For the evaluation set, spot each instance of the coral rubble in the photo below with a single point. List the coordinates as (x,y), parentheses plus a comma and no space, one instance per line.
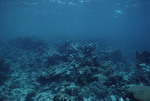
(32,70)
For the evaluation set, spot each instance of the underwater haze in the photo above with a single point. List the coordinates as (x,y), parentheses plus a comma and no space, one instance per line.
(74,50)
(118,21)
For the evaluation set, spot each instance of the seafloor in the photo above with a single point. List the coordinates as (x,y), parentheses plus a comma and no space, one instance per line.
(34,70)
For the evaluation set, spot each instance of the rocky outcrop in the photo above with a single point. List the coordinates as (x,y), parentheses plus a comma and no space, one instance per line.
(140,93)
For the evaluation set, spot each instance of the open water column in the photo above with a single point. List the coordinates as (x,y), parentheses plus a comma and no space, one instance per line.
(74,50)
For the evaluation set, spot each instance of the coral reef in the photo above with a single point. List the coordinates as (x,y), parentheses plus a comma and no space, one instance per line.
(142,72)
(143,57)
(32,70)
(4,70)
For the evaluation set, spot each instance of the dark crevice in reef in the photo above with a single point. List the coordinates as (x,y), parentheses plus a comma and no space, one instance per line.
(4,71)
(32,70)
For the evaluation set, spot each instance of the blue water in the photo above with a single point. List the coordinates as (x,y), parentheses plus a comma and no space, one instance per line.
(118,22)
(74,50)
